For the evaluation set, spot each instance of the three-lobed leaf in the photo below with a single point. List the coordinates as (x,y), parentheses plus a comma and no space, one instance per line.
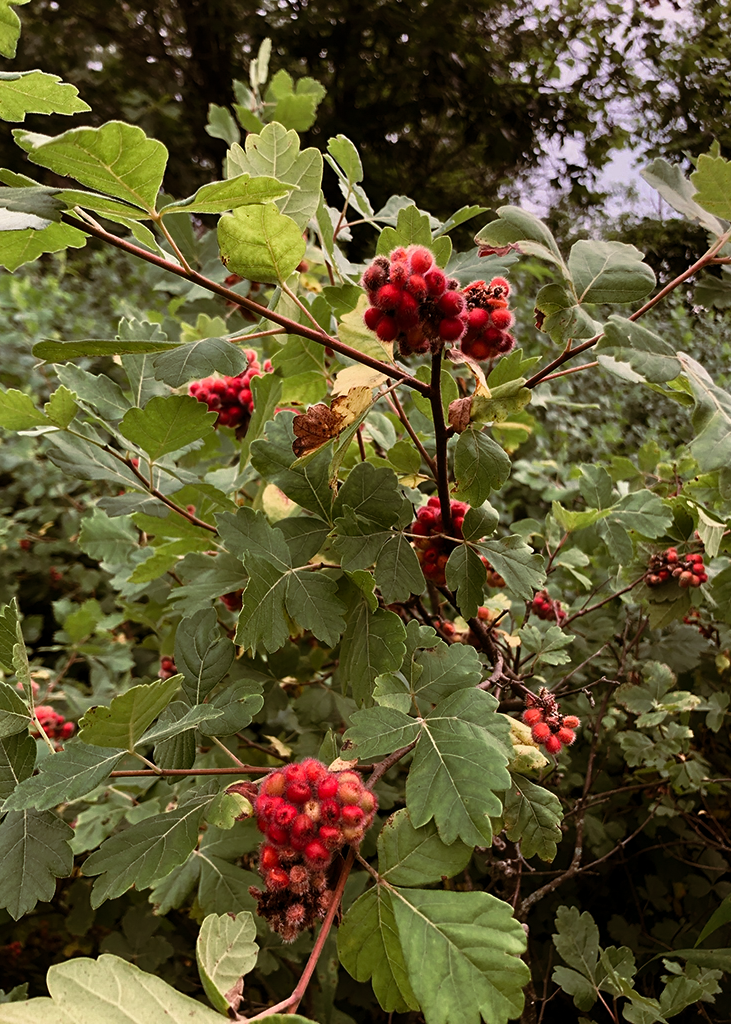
(225,950)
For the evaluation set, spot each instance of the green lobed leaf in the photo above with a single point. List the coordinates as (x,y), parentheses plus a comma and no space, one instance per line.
(34,851)
(275,152)
(17,758)
(167,424)
(563,316)
(109,989)
(14,713)
(266,391)
(10,633)
(370,949)
(532,817)
(248,532)
(519,566)
(25,246)
(177,724)
(441,669)
(459,766)
(146,851)
(71,773)
(221,196)
(480,466)
(609,272)
(117,159)
(311,600)
(307,485)
(398,573)
(345,158)
(107,540)
(712,181)
(128,716)
(202,654)
(472,945)
(199,359)
(9,26)
(225,950)
(262,621)
(18,411)
(548,644)
(676,190)
(373,643)
(35,92)
(517,229)
(372,493)
(61,407)
(179,749)
(380,730)
(417,856)
(646,352)
(711,419)
(466,575)
(260,243)
(577,940)
(233,708)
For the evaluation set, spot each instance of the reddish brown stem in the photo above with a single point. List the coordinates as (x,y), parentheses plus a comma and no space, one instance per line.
(291,1004)
(290,326)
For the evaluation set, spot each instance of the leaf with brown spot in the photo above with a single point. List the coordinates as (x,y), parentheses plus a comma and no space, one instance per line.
(321,424)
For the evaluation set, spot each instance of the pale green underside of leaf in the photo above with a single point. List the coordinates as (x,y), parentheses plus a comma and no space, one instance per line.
(107,990)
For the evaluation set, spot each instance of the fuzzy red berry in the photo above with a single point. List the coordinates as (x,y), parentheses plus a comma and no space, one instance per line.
(387,329)
(571,721)
(541,732)
(316,855)
(277,878)
(372,317)
(421,259)
(565,735)
(268,858)
(552,744)
(532,715)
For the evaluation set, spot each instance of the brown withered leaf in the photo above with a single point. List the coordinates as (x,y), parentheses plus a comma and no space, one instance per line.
(459,413)
(321,423)
(456,355)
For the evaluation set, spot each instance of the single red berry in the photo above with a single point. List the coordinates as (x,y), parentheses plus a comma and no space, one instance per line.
(532,715)
(352,814)
(328,787)
(387,329)
(436,282)
(298,792)
(330,836)
(421,259)
(316,855)
(502,319)
(284,815)
(277,834)
(329,811)
(571,721)
(451,304)
(269,858)
(541,732)
(565,735)
(671,555)
(451,328)
(277,878)
(686,579)
(552,744)
(388,298)
(372,317)
(407,314)
(416,286)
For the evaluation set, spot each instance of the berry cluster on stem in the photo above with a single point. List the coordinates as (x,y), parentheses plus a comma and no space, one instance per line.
(487,320)
(230,397)
(413,302)
(433,547)
(545,607)
(688,570)
(548,726)
(307,814)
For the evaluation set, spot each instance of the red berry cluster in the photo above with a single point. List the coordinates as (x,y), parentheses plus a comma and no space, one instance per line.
(546,608)
(689,571)
(433,550)
(487,319)
(230,397)
(167,667)
(548,726)
(307,814)
(54,725)
(412,300)
(693,618)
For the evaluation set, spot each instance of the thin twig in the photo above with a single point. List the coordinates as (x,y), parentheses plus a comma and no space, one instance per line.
(290,326)
(441,437)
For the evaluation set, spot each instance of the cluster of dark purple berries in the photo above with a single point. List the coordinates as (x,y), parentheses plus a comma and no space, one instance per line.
(413,302)
(545,607)
(230,397)
(307,813)
(688,570)
(548,726)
